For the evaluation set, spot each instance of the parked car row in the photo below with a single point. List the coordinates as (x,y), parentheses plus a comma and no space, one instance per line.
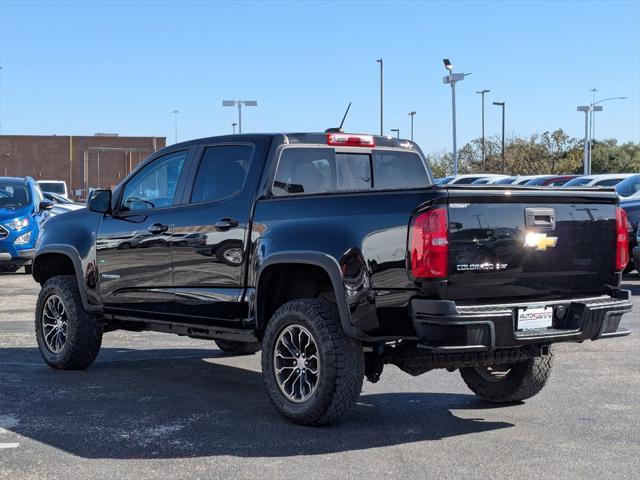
(626,184)
(50,197)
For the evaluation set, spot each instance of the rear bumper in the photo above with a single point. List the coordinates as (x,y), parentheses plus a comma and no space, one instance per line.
(442,326)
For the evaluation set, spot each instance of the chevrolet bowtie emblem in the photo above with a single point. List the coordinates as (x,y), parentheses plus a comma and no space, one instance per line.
(540,241)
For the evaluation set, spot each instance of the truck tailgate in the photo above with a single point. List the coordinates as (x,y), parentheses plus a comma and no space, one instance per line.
(525,243)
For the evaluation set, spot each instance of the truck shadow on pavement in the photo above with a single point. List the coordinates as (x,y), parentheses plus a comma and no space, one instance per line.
(185,403)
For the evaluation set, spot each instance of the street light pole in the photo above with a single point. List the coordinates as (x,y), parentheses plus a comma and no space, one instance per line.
(239,104)
(234,127)
(381,96)
(412,114)
(587,109)
(175,125)
(484,157)
(396,131)
(452,79)
(1,102)
(502,104)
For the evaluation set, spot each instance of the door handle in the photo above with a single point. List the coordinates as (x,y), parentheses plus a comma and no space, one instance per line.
(226,223)
(157,228)
(544,218)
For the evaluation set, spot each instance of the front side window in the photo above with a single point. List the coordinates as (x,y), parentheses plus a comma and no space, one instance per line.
(323,170)
(155,185)
(222,172)
(37,194)
(53,187)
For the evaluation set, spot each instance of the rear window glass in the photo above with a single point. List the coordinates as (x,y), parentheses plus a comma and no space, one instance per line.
(53,187)
(322,170)
(610,182)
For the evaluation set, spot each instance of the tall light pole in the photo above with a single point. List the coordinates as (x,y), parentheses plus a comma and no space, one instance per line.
(1,101)
(501,104)
(381,96)
(412,114)
(239,104)
(452,79)
(484,156)
(175,125)
(233,125)
(396,131)
(587,111)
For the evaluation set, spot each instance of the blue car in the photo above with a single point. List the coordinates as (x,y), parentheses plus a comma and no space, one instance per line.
(23,209)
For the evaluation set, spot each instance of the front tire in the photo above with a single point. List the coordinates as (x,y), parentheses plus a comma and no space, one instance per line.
(68,337)
(312,371)
(509,383)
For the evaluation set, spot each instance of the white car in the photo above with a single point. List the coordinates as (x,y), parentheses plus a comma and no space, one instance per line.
(607,180)
(58,187)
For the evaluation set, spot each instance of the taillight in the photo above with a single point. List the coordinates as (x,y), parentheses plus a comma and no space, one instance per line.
(350,140)
(429,244)
(622,240)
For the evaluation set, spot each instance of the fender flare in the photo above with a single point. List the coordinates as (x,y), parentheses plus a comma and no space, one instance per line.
(72,254)
(318,259)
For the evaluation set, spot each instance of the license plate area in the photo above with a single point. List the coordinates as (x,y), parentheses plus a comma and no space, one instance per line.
(534,318)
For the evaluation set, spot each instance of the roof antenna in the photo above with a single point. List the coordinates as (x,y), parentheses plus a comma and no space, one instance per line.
(339,129)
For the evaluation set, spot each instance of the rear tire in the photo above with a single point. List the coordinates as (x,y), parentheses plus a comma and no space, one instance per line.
(28,269)
(68,337)
(238,348)
(328,384)
(509,383)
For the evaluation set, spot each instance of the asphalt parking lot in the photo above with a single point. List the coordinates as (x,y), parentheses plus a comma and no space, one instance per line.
(160,406)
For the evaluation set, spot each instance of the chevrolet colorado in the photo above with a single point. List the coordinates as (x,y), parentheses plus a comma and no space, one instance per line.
(335,254)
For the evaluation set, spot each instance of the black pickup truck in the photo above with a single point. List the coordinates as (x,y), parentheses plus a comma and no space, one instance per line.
(334,254)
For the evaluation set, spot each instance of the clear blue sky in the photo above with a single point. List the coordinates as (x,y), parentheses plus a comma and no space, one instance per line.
(86,67)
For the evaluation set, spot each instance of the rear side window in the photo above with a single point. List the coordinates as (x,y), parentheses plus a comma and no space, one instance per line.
(322,170)
(394,169)
(221,173)
(610,182)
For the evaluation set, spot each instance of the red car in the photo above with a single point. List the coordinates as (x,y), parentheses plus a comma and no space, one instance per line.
(551,180)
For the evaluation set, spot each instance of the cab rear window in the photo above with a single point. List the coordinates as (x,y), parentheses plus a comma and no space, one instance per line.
(323,170)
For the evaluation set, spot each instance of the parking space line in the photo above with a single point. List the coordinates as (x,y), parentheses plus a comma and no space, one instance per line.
(8,445)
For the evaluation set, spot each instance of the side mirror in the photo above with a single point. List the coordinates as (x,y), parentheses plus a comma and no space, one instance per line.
(100,201)
(45,205)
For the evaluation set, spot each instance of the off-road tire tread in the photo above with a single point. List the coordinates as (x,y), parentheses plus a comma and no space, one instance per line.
(231,347)
(525,380)
(83,346)
(347,361)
